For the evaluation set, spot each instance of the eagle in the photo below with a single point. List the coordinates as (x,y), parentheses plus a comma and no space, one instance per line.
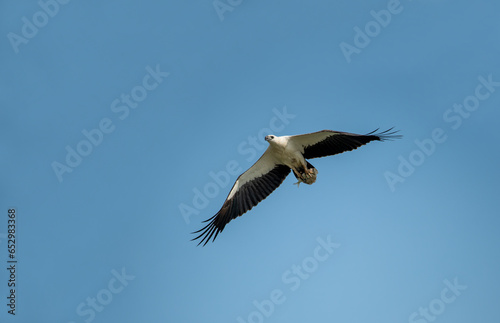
(284,153)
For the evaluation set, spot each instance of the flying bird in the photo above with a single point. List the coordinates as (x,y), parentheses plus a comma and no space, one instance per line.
(284,153)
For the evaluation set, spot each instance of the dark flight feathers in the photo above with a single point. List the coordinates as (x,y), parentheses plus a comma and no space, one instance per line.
(248,196)
(337,142)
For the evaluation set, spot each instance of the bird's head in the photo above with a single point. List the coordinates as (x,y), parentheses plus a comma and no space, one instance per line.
(270,138)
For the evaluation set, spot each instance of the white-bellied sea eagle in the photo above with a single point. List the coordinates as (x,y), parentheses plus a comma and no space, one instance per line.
(284,153)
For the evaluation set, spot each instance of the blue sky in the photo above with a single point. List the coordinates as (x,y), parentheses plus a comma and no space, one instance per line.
(115,114)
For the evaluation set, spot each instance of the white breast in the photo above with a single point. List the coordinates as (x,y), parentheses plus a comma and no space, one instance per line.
(288,153)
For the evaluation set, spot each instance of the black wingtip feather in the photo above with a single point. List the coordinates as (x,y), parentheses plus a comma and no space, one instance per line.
(388,134)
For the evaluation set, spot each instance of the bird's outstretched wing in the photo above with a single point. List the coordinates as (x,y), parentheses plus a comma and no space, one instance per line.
(329,142)
(251,187)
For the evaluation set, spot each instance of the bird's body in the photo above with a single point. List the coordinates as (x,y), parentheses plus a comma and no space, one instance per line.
(290,153)
(284,153)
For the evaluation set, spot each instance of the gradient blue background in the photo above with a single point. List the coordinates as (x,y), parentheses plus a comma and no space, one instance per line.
(120,208)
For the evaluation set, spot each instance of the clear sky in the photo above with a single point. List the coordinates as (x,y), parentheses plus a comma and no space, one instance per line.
(124,124)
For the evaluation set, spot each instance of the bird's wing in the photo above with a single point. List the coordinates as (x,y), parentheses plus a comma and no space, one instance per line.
(251,187)
(329,142)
